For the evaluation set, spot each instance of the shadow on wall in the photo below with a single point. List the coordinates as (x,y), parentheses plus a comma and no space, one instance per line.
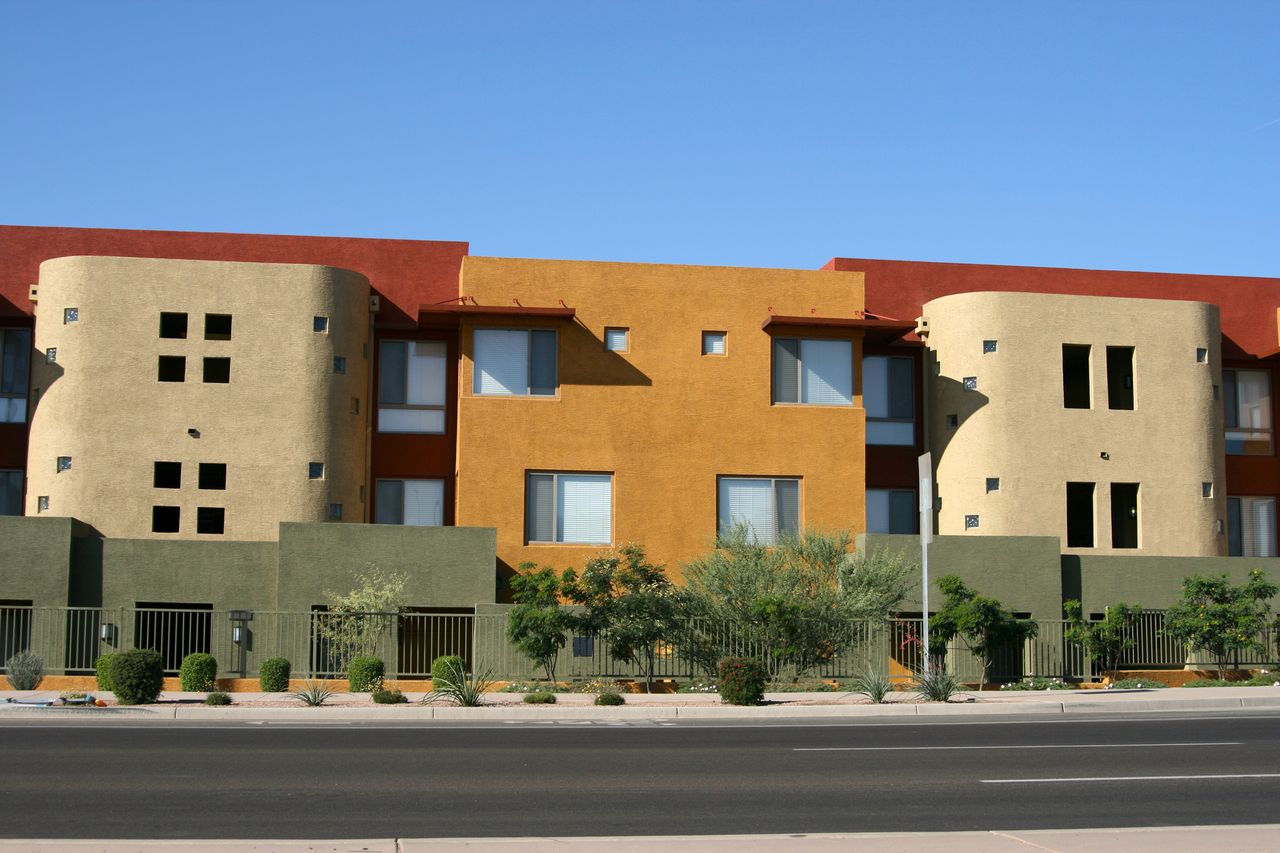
(953,400)
(42,378)
(10,310)
(585,361)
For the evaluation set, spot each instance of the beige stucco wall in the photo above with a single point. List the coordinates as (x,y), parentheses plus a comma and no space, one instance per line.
(102,405)
(664,419)
(1014,425)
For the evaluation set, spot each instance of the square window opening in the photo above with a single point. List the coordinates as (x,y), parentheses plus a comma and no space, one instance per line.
(213,475)
(320,324)
(165,519)
(210,520)
(988,347)
(339,364)
(617,339)
(713,343)
(993,484)
(70,315)
(172,368)
(64,463)
(315,470)
(173,324)
(1202,355)
(167,475)
(217,370)
(217,327)
(335,512)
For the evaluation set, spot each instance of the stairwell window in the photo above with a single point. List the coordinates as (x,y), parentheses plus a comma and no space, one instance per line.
(412,386)
(514,362)
(15,367)
(813,372)
(569,508)
(769,508)
(1251,527)
(1247,410)
(418,503)
(889,396)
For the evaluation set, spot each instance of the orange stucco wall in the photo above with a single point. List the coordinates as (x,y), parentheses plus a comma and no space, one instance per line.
(664,419)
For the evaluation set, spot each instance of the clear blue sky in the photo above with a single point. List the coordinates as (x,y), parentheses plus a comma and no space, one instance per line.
(1130,135)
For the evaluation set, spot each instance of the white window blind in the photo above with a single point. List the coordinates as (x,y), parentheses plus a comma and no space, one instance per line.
(418,503)
(1252,527)
(501,361)
(412,386)
(827,368)
(767,508)
(888,395)
(1247,409)
(713,343)
(569,508)
(615,340)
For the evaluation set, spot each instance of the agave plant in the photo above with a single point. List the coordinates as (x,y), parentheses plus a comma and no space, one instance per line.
(936,685)
(873,682)
(313,694)
(454,684)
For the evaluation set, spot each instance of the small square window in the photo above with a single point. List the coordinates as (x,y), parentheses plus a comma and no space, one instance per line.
(173,324)
(315,470)
(1206,490)
(70,315)
(173,368)
(355,405)
(335,512)
(164,519)
(217,370)
(953,421)
(713,343)
(51,355)
(167,475)
(213,475)
(617,339)
(210,519)
(971,383)
(1202,355)
(339,364)
(217,327)
(988,346)
(64,463)
(42,503)
(993,484)
(970,522)
(320,324)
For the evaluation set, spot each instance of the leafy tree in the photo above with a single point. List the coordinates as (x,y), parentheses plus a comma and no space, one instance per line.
(537,625)
(796,603)
(1104,642)
(1213,615)
(984,625)
(627,601)
(356,620)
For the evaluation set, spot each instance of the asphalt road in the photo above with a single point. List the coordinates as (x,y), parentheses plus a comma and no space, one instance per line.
(520,779)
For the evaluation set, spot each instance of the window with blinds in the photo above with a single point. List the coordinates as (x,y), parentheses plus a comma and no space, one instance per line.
(891,511)
(889,396)
(418,503)
(1247,411)
(768,508)
(813,372)
(616,339)
(514,362)
(1251,527)
(412,386)
(15,366)
(569,508)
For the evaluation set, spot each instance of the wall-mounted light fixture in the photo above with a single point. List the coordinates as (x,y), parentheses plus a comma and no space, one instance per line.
(193,432)
(1105,455)
(107,632)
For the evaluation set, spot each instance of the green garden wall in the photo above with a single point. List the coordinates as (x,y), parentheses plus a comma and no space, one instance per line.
(228,575)
(35,559)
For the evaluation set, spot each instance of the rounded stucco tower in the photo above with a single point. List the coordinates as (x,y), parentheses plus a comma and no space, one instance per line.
(198,399)
(1095,419)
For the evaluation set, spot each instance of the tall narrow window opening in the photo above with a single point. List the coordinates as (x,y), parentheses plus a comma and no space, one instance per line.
(1120,377)
(1077,390)
(1080,515)
(1124,515)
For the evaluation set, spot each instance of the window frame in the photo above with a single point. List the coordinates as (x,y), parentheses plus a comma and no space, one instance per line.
(777,344)
(19,377)
(890,400)
(914,515)
(442,407)
(403,482)
(778,528)
(1236,514)
(530,367)
(1232,414)
(558,523)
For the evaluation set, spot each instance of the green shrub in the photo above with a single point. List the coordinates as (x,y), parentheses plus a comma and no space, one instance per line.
(449,680)
(698,685)
(198,673)
(540,698)
(313,694)
(273,675)
(365,674)
(102,669)
(936,685)
(741,681)
(136,676)
(383,696)
(610,698)
(1038,682)
(1137,684)
(1264,679)
(873,682)
(447,669)
(217,697)
(24,671)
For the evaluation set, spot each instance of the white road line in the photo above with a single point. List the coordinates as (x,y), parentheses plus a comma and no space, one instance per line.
(1132,778)
(1013,746)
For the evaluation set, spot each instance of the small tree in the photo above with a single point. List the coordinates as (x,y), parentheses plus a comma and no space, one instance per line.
(984,625)
(1214,616)
(356,620)
(537,625)
(629,602)
(1104,642)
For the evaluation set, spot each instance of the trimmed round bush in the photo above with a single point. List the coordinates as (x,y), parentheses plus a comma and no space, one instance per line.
(217,697)
(365,674)
(198,673)
(742,681)
(102,669)
(382,696)
(136,676)
(610,698)
(24,671)
(273,675)
(446,669)
(540,698)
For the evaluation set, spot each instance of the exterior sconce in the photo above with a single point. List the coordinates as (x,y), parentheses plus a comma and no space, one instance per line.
(237,634)
(1133,512)
(107,633)
(193,432)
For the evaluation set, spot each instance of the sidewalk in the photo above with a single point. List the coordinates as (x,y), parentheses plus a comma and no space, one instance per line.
(1247,839)
(576,706)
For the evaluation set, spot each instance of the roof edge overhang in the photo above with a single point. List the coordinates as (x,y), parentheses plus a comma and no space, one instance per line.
(873,329)
(437,315)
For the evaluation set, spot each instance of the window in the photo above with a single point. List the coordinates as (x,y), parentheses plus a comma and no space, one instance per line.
(320,324)
(10,493)
(173,324)
(164,519)
(988,347)
(1202,355)
(418,503)
(569,508)
(64,464)
(1120,378)
(1206,490)
(167,475)
(70,315)
(213,475)
(1124,515)
(51,355)
(173,368)
(1247,407)
(217,370)
(15,366)
(1077,392)
(889,396)
(1251,527)
(518,362)
(42,503)
(953,421)
(335,512)
(315,470)
(339,364)
(969,383)
(217,327)
(813,372)
(891,511)
(412,386)
(1080,515)
(617,340)
(971,522)
(993,484)
(767,508)
(713,343)
(210,519)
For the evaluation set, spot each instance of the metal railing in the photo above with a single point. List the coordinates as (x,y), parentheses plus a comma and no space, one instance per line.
(320,645)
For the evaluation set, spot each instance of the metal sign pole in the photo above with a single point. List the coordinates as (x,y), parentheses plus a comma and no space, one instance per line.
(925,463)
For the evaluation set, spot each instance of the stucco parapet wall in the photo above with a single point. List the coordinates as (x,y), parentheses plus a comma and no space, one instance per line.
(35,558)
